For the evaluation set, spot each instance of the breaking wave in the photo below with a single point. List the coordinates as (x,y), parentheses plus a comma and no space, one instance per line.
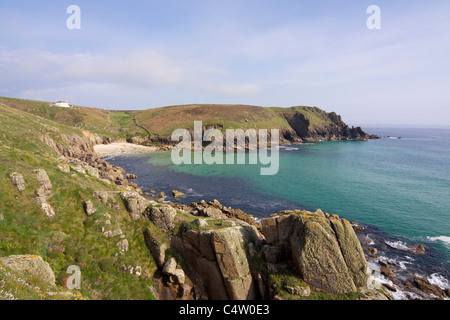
(444,239)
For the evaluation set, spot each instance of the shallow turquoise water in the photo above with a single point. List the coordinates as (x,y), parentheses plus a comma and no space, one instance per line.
(401,186)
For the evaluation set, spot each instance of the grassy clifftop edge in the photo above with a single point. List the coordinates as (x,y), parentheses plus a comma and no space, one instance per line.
(296,123)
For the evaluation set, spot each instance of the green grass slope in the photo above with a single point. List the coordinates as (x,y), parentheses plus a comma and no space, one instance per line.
(71,237)
(162,121)
(105,123)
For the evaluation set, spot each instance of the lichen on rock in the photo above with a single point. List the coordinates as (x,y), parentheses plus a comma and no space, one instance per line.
(17,180)
(34,265)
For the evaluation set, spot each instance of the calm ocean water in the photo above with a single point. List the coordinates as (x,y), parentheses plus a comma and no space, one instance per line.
(398,188)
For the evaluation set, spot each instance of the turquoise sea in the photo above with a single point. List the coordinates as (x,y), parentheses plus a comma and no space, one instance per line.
(397,186)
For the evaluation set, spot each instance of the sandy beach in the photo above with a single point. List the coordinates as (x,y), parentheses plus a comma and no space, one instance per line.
(118,148)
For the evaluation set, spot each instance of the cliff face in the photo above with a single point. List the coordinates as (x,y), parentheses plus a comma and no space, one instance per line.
(331,128)
(296,124)
(234,259)
(324,249)
(218,262)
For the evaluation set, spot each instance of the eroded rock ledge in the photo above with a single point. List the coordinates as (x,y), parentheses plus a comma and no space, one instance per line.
(225,257)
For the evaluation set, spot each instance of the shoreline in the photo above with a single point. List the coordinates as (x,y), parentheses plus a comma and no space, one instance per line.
(106,150)
(122,148)
(403,287)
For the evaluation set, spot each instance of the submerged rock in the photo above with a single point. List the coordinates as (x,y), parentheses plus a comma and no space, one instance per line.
(418,249)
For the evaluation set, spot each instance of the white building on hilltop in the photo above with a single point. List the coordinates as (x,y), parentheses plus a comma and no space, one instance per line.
(60,103)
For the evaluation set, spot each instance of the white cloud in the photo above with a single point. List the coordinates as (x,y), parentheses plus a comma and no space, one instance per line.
(140,68)
(327,59)
(239,89)
(42,74)
(135,68)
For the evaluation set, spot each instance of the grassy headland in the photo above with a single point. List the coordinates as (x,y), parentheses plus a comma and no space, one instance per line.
(127,246)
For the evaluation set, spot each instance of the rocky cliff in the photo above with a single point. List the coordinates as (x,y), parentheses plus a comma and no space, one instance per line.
(295,124)
(154,126)
(233,259)
(331,128)
(64,204)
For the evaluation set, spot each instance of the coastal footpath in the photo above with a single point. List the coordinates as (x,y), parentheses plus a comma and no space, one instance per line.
(63,206)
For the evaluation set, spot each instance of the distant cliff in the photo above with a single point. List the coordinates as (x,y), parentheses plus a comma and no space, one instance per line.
(155,125)
(296,124)
(313,124)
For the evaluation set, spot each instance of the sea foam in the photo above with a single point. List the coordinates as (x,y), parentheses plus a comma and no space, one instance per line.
(444,239)
(439,280)
(400,245)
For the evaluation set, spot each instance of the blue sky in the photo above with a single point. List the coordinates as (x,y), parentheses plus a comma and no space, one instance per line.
(143,54)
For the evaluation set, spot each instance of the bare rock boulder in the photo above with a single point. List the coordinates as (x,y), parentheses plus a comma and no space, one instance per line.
(232,260)
(18,181)
(45,207)
(175,275)
(318,258)
(131,176)
(123,245)
(32,264)
(157,249)
(63,167)
(178,194)
(324,249)
(351,250)
(88,207)
(135,204)
(163,217)
(45,186)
